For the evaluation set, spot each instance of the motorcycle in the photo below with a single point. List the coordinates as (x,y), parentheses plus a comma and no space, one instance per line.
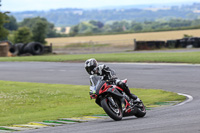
(113,99)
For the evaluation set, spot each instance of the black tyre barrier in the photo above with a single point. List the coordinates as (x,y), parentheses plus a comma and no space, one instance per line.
(170,43)
(14,50)
(19,48)
(183,43)
(194,41)
(34,48)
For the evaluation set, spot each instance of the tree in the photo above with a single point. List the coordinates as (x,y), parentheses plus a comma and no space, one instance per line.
(120,26)
(51,32)
(116,27)
(31,22)
(39,31)
(84,28)
(22,35)
(137,27)
(3,32)
(74,30)
(96,23)
(12,23)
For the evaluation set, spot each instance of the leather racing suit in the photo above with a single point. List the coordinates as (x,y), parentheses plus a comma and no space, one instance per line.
(107,73)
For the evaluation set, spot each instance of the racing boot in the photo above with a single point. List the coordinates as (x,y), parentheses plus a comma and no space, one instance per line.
(124,86)
(134,99)
(137,101)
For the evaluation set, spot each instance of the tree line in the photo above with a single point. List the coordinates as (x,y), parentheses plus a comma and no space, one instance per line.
(30,29)
(97,27)
(37,29)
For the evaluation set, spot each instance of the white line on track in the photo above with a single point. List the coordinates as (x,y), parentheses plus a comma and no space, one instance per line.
(161,64)
(190,98)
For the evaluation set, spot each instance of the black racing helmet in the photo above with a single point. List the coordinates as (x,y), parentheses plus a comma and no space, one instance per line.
(90,64)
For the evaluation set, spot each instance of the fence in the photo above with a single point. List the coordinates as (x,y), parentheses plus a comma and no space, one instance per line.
(179,43)
(112,46)
(48,49)
(149,45)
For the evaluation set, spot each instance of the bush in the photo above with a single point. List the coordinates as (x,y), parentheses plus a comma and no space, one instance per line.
(22,35)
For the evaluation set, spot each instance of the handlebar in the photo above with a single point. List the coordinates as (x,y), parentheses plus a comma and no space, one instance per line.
(110,80)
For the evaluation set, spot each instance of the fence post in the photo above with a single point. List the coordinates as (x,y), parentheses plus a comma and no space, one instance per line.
(51,49)
(134,44)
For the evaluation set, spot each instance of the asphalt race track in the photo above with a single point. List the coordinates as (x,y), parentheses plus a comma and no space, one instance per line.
(178,78)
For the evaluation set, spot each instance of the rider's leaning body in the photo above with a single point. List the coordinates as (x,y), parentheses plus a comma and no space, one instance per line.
(93,68)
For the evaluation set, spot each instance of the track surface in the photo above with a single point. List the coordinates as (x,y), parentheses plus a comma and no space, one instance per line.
(176,78)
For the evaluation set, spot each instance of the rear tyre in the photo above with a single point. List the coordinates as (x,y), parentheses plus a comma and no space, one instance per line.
(141,111)
(115,112)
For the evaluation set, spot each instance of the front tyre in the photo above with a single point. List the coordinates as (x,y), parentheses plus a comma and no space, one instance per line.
(114,111)
(141,111)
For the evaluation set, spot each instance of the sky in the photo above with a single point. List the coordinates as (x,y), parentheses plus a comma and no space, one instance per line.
(29,5)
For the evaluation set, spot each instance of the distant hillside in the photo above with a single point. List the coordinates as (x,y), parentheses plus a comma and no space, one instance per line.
(73,16)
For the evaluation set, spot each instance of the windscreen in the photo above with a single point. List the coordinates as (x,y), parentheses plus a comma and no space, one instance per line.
(94,82)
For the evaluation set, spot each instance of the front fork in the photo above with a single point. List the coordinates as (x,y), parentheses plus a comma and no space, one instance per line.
(112,102)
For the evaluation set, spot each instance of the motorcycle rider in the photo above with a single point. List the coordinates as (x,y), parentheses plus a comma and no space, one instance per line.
(92,68)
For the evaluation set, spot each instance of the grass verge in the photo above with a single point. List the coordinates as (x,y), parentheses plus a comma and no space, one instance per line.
(185,57)
(22,102)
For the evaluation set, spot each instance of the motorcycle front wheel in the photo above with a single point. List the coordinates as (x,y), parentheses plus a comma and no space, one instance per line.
(141,110)
(112,108)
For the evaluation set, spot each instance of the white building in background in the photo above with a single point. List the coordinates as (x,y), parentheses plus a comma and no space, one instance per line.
(66,31)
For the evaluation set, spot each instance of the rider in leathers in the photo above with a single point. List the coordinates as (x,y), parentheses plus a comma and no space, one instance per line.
(92,68)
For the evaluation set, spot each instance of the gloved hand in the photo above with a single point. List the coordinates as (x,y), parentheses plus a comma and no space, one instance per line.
(117,81)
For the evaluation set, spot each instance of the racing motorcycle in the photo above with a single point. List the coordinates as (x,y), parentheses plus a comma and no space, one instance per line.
(113,99)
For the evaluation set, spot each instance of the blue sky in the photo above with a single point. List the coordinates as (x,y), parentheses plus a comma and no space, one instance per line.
(22,5)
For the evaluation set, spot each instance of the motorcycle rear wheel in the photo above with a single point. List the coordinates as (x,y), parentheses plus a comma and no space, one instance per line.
(114,112)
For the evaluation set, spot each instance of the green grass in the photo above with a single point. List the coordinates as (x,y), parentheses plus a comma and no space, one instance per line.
(22,102)
(185,57)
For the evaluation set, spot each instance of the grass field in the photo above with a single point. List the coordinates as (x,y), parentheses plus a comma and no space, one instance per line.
(126,38)
(22,102)
(185,57)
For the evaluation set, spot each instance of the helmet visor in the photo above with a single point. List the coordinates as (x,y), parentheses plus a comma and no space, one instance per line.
(90,69)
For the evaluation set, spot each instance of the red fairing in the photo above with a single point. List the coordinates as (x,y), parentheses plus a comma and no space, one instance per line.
(104,88)
(93,96)
(118,88)
(127,103)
